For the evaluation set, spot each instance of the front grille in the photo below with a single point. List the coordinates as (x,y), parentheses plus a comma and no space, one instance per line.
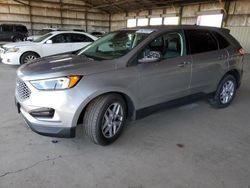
(22,89)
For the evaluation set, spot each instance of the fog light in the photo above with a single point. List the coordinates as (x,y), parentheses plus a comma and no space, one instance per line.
(42,113)
(8,60)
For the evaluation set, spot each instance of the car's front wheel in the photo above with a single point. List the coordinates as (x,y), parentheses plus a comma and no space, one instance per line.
(225,92)
(104,119)
(28,57)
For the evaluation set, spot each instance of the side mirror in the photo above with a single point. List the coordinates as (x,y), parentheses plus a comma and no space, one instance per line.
(49,42)
(151,57)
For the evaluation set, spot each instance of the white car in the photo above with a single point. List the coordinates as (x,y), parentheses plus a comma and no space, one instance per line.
(52,43)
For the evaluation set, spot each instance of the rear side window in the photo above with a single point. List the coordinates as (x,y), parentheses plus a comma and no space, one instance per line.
(200,41)
(80,38)
(22,29)
(223,43)
(7,28)
(62,38)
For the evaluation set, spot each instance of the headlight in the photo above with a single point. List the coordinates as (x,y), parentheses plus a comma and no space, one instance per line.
(56,83)
(12,50)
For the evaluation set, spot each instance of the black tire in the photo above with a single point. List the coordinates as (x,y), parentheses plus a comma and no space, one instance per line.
(93,120)
(217,100)
(17,39)
(24,58)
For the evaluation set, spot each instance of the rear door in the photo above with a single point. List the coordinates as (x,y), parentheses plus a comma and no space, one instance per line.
(169,78)
(209,61)
(79,41)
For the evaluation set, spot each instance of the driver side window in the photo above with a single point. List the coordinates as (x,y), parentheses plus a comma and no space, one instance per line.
(173,45)
(61,38)
(164,47)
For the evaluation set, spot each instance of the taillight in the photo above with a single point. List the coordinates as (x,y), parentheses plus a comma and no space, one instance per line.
(241,51)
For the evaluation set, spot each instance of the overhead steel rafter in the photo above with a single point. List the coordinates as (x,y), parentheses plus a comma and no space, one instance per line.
(114,5)
(103,5)
(21,2)
(132,5)
(111,6)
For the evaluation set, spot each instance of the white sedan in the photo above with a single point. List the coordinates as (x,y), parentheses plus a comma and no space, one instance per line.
(52,43)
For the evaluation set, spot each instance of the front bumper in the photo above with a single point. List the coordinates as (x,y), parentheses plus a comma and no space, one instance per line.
(12,58)
(64,104)
(40,128)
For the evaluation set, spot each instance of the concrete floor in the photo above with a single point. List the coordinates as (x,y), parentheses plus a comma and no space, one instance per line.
(193,146)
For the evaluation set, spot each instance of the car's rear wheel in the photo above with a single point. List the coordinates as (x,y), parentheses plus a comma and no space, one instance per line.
(225,92)
(104,119)
(28,57)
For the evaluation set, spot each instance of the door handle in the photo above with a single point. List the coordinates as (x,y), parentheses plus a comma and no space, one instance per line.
(183,64)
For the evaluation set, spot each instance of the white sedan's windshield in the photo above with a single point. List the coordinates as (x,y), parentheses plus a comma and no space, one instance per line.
(40,39)
(44,31)
(115,44)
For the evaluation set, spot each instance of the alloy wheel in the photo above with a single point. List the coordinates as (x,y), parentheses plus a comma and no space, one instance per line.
(29,58)
(112,120)
(227,92)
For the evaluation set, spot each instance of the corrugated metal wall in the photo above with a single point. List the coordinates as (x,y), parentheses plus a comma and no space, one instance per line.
(68,14)
(238,20)
(74,14)
(242,34)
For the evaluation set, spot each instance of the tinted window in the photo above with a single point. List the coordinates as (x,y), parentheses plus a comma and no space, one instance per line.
(80,38)
(201,41)
(168,45)
(7,28)
(223,43)
(22,29)
(62,38)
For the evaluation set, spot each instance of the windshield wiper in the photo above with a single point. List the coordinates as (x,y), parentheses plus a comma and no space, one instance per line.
(92,57)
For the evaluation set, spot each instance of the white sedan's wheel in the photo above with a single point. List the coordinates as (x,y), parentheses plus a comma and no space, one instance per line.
(28,57)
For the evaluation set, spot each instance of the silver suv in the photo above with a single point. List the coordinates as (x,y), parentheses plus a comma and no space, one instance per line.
(125,75)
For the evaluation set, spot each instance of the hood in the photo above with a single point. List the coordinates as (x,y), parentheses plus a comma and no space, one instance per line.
(63,65)
(19,44)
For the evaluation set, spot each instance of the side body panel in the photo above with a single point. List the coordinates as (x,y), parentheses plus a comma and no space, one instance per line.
(165,80)
(209,62)
(207,70)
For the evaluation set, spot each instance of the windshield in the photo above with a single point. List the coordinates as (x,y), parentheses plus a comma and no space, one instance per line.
(40,39)
(44,31)
(115,44)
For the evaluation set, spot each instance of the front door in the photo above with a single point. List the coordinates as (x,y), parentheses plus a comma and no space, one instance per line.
(61,43)
(169,77)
